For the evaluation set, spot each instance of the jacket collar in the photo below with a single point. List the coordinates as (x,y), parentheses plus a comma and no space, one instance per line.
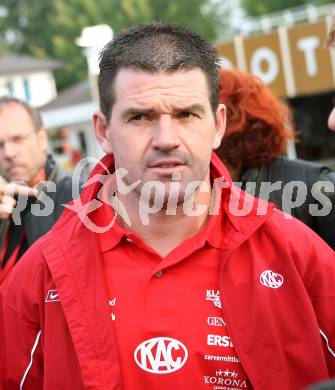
(241,213)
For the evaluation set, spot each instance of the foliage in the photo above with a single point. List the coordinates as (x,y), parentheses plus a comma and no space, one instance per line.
(48,28)
(261,7)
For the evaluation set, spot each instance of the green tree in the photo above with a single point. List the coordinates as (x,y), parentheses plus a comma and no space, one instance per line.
(48,28)
(261,7)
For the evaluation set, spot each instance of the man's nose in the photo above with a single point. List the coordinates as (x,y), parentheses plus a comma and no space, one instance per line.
(166,134)
(9,150)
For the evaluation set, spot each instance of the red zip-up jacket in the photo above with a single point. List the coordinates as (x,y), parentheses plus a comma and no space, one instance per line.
(277,284)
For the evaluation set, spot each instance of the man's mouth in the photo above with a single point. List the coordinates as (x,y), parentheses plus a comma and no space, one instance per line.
(14,168)
(167,167)
(166,164)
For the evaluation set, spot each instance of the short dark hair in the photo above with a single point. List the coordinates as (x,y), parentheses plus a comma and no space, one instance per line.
(32,112)
(156,47)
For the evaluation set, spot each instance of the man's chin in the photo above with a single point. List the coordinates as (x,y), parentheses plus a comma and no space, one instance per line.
(17,177)
(163,196)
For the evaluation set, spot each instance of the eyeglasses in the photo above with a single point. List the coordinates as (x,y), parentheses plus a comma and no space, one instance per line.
(16,140)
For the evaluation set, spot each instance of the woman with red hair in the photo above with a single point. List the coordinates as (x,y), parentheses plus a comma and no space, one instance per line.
(259,126)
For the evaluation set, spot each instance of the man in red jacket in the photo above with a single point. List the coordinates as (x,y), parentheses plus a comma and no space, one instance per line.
(163,274)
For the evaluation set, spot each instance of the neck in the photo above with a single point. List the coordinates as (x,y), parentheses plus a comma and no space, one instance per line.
(164,232)
(41,176)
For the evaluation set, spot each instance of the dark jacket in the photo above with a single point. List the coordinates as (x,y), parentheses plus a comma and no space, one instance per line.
(285,171)
(36,226)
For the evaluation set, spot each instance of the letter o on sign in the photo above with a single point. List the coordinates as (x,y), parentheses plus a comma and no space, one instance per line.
(265,54)
(161,355)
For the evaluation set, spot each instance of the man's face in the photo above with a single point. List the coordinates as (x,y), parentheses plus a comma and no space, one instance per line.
(22,149)
(162,124)
(331,120)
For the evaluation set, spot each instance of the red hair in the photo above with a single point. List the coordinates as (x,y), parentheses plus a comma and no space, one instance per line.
(258,123)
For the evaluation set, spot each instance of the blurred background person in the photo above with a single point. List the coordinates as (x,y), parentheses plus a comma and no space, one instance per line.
(331,44)
(24,158)
(259,126)
(331,120)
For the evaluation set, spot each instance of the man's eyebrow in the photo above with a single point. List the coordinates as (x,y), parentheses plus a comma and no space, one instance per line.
(192,108)
(133,111)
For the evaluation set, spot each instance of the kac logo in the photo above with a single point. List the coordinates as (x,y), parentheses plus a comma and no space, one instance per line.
(214,295)
(161,355)
(270,279)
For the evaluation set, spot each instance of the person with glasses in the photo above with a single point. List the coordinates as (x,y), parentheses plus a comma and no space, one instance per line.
(24,163)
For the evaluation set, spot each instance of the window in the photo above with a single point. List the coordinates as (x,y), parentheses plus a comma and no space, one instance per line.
(26,87)
(10,88)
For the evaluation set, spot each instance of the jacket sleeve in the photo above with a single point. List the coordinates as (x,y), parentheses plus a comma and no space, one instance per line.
(324,195)
(319,280)
(20,352)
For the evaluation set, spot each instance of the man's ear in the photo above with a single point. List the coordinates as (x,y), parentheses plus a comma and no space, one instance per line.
(220,125)
(102,131)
